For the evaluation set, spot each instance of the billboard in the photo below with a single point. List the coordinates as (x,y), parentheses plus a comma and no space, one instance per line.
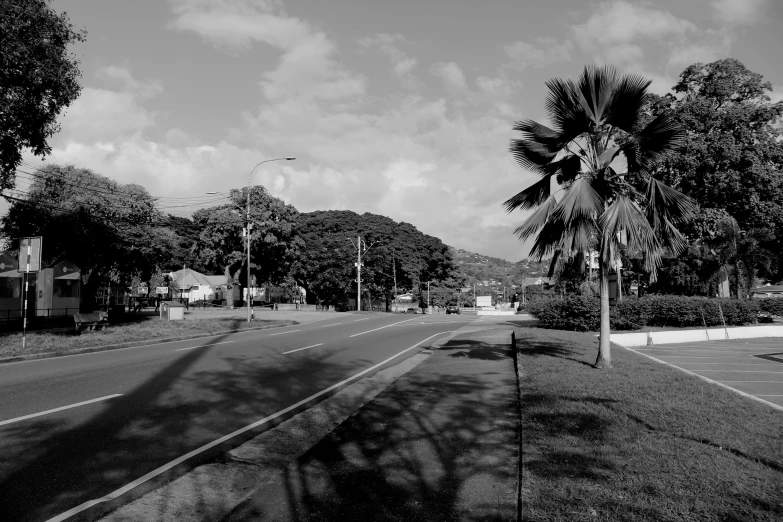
(31,246)
(484,300)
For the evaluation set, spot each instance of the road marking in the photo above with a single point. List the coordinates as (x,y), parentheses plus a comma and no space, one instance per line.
(382,327)
(202,346)
(769,395)
(327,325)
(305,348)
(152,474)
(736,371)
(17,419)
(283,333)
(774,382)
(364,319)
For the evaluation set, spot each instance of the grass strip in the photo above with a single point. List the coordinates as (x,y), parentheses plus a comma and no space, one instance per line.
(65,340)
(641,441)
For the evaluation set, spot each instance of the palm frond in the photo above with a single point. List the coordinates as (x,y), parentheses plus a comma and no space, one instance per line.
(580,202)
(531,197)
(664,202)
(530,154)
(541,134)
(536,220)
(629,96)
(659,138)
(624,217)
(564,109)
(549,240)
(594,90)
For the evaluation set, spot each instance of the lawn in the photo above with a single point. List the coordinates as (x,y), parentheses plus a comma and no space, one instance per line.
(640,441)
(64,340)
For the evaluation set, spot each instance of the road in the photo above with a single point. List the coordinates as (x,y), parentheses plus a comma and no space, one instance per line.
(75,428)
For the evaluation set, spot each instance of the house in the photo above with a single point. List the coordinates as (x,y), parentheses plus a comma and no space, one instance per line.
(536,281)
(55,290)
(196,286)
(768,291)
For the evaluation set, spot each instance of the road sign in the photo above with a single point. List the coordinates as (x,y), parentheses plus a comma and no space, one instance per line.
(33,245)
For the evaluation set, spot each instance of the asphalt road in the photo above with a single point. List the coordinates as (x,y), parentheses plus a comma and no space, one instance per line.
(122,413)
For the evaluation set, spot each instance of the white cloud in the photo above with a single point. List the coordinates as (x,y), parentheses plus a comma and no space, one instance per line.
(710,46)
(544,51)
(740,11)
(389,44)
(615,28)
(451,74)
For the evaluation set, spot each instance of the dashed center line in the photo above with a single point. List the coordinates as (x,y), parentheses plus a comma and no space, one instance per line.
(201,346)
(17,419)
(327,325)
(283,333)
(305,348)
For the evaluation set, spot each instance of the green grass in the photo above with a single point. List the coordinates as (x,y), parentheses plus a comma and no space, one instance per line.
(64,340)
(640,441)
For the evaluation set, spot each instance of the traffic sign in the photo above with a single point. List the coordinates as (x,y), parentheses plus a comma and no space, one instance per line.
(30,252)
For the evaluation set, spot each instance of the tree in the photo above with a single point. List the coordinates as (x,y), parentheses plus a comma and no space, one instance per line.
(732,158)
(325,266)
(274,240)
(595,142)
(38,79)
(111,231)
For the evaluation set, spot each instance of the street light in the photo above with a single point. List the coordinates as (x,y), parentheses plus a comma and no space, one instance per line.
(250,226)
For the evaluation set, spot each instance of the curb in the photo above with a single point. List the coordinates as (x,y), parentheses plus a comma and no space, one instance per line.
(132,344)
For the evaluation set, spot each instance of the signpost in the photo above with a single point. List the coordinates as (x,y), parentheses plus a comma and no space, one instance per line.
(30,258)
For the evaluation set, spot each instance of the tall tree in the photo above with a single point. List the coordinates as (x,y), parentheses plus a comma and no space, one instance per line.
(274,240)
(732,158)
(111,231)
(38,79)
(595,141)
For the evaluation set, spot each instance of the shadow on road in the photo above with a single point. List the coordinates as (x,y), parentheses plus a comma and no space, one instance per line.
(58,464)
(439,444)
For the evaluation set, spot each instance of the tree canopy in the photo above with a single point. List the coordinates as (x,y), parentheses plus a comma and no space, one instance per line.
(38,78)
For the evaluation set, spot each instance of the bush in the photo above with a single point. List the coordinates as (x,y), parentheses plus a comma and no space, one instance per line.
(772,306)
(582,313)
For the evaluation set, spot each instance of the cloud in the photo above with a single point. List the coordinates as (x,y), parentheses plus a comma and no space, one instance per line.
(389,44)
(451,74)
(615,28)
(544,51)
(739,11)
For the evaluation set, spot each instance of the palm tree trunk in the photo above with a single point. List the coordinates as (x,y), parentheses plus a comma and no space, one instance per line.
(604,359)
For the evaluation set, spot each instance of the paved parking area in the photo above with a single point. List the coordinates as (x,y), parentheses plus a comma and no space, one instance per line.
(753,366)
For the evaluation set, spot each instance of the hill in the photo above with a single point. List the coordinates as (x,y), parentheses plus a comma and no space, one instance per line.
(492,271)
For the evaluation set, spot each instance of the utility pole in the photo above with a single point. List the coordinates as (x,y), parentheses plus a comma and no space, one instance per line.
(428,296)
(359,274)
(394,271)
(474,295)
(247,230)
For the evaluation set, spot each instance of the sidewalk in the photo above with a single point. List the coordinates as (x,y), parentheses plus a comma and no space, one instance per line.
(441,443)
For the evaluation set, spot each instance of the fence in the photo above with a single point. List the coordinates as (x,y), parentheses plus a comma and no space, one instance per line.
(41,313)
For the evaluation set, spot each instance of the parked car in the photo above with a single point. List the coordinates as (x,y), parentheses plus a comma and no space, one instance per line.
(452,309)
(411,311)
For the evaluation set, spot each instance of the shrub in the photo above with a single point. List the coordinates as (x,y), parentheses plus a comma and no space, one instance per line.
(772,306)
(582,313)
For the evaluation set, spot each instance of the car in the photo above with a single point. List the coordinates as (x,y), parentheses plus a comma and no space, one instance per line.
(452,309)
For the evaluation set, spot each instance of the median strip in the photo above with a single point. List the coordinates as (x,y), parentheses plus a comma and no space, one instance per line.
(305,348)
(32,415)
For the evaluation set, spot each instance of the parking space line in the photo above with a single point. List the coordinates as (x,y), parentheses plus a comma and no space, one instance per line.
(283,333)
(201,346)
(61,408)
(305,348)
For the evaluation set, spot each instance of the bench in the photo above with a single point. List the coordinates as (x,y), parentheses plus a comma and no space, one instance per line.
(92,320)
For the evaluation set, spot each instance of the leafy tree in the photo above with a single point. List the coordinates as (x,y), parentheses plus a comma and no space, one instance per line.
(595,141)
(732,158)
(274,240)
(38,79)
(325,266)
(184,243)
(111,231)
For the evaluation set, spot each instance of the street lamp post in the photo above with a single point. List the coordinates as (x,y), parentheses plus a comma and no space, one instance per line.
(249,227)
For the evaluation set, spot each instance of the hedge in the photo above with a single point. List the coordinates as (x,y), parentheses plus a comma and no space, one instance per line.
(582,313)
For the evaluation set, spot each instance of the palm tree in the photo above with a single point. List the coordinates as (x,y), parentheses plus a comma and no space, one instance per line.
(601,152)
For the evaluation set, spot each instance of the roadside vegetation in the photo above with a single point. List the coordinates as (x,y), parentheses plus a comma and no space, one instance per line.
(642,442)
(63,340)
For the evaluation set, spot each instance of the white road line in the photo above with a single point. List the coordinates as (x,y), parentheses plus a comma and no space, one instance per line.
(202,346)
(775,382)
(769,395)
(17,419)
(363,319)
(736,371)
(328,325)
(283,333)
(300,349)
(152,474)
(381,328)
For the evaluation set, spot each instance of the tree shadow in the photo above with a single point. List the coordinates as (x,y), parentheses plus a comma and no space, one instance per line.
(530,345)
(60,462)
(433,446)
(476,350)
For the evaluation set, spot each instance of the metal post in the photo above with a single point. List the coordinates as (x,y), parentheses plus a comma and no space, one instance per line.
(359,274)
(428,297)
(26,284)
(248,256)
(394,268)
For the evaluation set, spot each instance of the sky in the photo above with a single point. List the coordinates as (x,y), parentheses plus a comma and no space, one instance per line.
(403,108)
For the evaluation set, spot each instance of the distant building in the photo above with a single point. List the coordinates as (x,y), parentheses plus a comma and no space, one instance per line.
(196,286)
(767,291)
